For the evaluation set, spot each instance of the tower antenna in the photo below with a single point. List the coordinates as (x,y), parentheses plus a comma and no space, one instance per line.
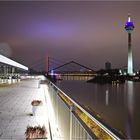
(129,17)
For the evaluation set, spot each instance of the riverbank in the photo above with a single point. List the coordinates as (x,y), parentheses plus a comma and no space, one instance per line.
(119,79)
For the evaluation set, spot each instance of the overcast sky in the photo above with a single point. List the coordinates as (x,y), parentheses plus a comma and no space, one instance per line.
(90,33)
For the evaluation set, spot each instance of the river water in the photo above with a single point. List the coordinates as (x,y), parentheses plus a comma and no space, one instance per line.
(118,105)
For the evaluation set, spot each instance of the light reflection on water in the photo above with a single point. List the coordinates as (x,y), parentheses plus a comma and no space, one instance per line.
(118,105)
(107,97)
(130,109)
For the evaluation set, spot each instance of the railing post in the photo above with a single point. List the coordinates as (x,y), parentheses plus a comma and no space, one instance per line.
(39,80)
(71,110)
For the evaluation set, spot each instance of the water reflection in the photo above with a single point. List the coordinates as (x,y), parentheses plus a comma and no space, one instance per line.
(130,109)
(106,97)
(117,104)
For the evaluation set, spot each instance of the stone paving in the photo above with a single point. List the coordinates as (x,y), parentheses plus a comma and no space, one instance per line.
(16,109)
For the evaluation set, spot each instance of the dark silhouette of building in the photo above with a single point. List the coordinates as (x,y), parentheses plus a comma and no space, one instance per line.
(107,66)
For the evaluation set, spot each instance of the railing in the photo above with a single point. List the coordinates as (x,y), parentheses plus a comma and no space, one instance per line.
(73,121)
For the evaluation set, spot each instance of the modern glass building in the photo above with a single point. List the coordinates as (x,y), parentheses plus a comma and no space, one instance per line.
(10,68)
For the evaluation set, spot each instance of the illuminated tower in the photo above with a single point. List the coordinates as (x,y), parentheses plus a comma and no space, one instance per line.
(129,27)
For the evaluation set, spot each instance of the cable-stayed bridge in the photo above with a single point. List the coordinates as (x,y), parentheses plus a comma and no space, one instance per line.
(72,71)
(62,70)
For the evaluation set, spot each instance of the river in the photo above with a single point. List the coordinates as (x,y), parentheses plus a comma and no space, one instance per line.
(118,105)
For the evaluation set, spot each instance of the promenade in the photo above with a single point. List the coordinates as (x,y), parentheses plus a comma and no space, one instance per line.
(16,108)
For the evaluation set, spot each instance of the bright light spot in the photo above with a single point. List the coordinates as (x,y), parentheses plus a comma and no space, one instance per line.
(134,74)
(125,73)
(129,19)
(52,72)
(106,97)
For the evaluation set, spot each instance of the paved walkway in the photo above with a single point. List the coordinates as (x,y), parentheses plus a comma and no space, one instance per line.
(16,109)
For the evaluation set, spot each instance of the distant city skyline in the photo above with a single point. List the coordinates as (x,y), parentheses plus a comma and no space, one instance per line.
(90,33)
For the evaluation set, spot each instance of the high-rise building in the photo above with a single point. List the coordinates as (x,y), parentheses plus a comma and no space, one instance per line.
(129,27)
(107,65)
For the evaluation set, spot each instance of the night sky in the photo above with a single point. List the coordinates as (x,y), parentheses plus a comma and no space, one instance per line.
(90,33)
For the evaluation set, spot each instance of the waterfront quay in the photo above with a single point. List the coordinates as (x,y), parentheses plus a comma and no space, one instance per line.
(16,109)
(63,118)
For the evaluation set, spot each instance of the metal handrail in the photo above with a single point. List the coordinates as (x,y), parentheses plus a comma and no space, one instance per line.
(89,115)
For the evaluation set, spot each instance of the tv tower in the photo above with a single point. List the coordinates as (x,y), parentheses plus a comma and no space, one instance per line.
(129,27)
